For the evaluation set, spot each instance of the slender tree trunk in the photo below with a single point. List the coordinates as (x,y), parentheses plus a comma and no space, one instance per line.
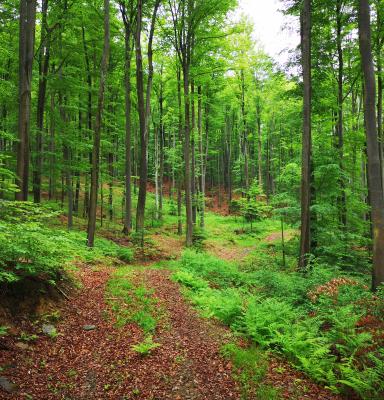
(187,155)
(52,150)
(305,241)
(144,108)
(244,132)
(374,168)
(380,115)
(157,171)
(26,53)
(201,153)
(259,145)
(44,55)
(340,112)
(180,173)
(89,120)
(379,47)
(68,183)
(97,133)
(128,112)
(67,153)
(110,184)
(193,151)
(161,144)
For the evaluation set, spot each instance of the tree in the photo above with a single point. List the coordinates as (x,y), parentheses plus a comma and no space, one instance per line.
(374,168)
(128,17)
(26,53)
(97,133)
(44,58)
(305,241)
(144,106)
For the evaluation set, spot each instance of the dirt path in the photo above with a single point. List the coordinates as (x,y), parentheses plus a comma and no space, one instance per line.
(100,364)
(201,372)
(80,364)
(231,252)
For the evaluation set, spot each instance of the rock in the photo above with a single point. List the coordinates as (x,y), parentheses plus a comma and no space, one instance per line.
(22,346)
(89,327)
(49,329)
(7,385)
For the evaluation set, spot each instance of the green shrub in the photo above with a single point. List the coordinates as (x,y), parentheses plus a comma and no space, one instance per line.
(145,347)
(266,319)
(189,280)
(125,254)
(225,305)
(29,247)
(218,272)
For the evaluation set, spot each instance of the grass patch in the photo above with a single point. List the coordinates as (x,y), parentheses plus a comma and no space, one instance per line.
(326,323)
(132,302)
(250,367)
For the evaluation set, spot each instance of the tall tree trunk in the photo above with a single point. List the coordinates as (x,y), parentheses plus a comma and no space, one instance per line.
(52,148)
(374,168)
(127,19)
(259,144)
(340,112)
(97,133)
(201,153)
(193,158)
(67,173)
(379,47)
(162,144)
(44,55)
(26,53)
(180,173)
(305,240)
(244,132)
(110,184)
(89,120)
(157,171)
(187,154)
(144,108)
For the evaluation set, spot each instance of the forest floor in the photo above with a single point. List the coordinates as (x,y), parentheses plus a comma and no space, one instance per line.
(89,355)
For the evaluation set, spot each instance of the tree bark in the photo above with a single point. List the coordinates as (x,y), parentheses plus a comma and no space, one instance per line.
(89,120)
(305,241)
(44,56)
(180,173)
(259,144)
(128,29)
(374,168)
(193,158)
(26,53)
(187,156)
(201,153)
(340,112)
(144,108)
(97,132)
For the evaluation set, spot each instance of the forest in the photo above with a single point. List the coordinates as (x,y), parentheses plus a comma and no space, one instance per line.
(183,215)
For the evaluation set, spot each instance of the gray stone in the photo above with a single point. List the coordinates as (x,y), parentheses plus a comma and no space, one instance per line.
(22,346)
(49,329)
(7,385)
(89,327)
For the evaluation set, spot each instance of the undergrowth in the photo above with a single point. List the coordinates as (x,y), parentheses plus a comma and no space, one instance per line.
(30,247)
(250,367)
(132,302)
(326,323)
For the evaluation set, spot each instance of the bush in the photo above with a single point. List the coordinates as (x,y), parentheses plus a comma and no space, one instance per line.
(225,305)
(29,248)
(266,319)
(125,254)
(219,273)
(316,320)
